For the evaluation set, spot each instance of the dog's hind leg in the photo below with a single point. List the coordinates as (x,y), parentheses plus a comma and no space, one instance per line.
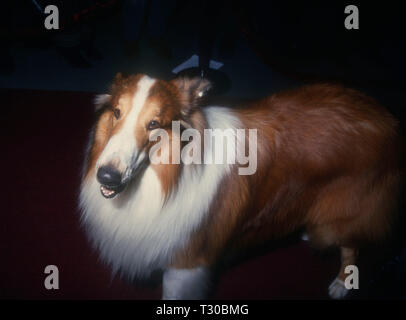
(337,289)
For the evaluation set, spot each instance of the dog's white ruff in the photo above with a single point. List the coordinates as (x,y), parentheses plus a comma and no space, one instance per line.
(135,232)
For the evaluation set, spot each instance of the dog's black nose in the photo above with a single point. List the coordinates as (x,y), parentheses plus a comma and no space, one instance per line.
(109,176)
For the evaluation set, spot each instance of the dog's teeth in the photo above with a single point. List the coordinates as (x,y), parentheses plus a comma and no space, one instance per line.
(107,192)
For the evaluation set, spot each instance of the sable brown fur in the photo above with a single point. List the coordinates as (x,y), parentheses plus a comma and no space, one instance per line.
(328,161)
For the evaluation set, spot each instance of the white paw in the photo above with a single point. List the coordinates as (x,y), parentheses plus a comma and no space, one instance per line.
(305,237)
(337,290)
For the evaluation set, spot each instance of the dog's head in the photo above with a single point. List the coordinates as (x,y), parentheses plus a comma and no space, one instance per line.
(129,117)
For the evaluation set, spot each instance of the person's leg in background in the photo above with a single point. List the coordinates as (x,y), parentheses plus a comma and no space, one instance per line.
(133,20)
(159,13)
(67,40)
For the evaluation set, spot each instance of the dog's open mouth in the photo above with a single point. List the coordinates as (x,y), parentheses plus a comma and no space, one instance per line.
(109,192)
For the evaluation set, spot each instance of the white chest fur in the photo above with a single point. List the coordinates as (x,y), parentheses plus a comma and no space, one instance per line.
(135,233)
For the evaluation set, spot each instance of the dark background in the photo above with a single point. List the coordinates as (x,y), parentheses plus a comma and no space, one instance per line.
(48,79)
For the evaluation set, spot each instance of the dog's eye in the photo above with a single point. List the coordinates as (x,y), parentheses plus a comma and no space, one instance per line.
(153,124)
(116,112)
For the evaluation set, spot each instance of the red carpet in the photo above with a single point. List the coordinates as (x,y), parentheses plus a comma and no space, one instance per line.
(43,144)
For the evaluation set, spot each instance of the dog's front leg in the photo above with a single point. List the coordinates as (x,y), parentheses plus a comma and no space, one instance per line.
(186,284)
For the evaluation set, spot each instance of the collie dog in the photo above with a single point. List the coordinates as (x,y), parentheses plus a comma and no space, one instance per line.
(326,160)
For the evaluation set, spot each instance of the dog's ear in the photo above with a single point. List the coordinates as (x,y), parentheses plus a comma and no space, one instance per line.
(192,91)
(101,100)
(118,76)
(117,82)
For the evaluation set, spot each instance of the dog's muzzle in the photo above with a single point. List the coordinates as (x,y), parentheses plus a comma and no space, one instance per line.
(110,180)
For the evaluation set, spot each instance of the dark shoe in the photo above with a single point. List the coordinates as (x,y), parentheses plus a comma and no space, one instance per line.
(93,53)
(74,57)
